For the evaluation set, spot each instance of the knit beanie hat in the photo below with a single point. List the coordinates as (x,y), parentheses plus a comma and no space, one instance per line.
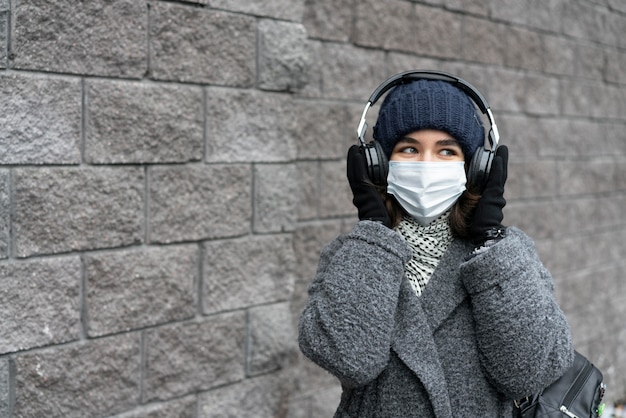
(429,104)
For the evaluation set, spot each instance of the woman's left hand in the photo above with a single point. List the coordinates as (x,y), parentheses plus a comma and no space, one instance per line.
(487,222)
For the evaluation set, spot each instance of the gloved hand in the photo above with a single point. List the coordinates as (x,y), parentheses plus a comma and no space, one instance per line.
(366,198)
(487,222)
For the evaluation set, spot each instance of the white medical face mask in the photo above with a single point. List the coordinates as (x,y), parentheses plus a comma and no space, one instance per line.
(426,189)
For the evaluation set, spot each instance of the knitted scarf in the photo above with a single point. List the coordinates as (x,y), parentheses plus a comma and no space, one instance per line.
(429,243)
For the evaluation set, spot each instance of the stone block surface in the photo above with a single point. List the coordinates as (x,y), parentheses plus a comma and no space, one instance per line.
(272,342)
(328,19)
(67,209)
(345,69)
(40,119)
(139,288)
(249,126)
(4,36)
(6,387)
(5,211)
(275,198)
(278,9)
(196,202)
(325,128)
(335,193)
(130,122)
(246,272)
(485,42)
(264,396)
(180,408)
(39,303)
(97,38)
(284,58)
(101,377)
(194,356)
(202,46)
(308,190)
(385,24)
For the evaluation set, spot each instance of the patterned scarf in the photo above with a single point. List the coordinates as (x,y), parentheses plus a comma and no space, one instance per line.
(429,243)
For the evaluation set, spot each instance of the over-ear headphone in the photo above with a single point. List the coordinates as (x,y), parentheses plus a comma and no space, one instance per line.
(480,164)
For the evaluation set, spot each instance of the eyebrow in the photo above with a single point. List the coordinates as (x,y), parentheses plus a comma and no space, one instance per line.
(441,142)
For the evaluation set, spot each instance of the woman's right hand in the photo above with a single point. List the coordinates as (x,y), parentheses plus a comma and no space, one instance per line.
(367,200)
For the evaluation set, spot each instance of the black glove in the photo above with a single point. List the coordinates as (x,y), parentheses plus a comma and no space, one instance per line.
(487,223)
(366,198)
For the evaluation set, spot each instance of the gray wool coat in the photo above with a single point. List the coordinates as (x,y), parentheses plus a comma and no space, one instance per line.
(484,332)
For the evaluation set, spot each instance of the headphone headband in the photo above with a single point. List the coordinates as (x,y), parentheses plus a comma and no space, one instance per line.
(414,75)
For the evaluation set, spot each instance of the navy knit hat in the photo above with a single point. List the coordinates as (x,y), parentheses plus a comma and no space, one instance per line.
(429,104)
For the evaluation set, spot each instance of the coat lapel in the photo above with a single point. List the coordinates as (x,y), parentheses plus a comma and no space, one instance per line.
(444,291)
(418,318)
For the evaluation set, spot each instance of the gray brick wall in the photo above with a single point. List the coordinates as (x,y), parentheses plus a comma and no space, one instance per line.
(169,171)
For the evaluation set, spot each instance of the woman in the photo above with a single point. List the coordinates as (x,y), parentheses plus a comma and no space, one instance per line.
(430,307)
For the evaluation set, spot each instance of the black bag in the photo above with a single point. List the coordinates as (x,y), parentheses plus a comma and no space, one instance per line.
(578,394)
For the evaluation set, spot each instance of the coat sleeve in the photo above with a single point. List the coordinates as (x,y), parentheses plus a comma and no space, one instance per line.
(348,319)
(523,336)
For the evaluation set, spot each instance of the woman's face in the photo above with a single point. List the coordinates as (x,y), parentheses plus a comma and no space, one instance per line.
(427,145)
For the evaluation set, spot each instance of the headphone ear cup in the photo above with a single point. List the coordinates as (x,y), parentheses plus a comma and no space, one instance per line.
(479,168)
(377,164)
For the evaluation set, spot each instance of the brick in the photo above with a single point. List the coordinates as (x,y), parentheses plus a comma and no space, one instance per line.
(122,287)
(335,193)
(4,36)
(7,392)
(41,120)
(405,26)
(591,61)
(328,19)
(308,189)
(198,45)
(615,62)
(180,408)
(130,122)
(275,198)
(5,205)
(40,303)
(67,209)
(541,15)
(284,59)
(385,24)
(559,55)
(272,340)
(583,20)
(349,72)
(538,219)
(561,137)
(514,11)
(528,93)
(324,127)
(249,126)
(476,7)
(264,396)
(247,271)
(279,9)
(615,26)
(482,41)
(98,38)
(314,86)
(196,356)
(583,177)
(93,378)
(525,49)
(196,202)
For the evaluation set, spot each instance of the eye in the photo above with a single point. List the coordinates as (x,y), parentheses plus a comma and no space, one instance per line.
(408,150)
(449,152)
